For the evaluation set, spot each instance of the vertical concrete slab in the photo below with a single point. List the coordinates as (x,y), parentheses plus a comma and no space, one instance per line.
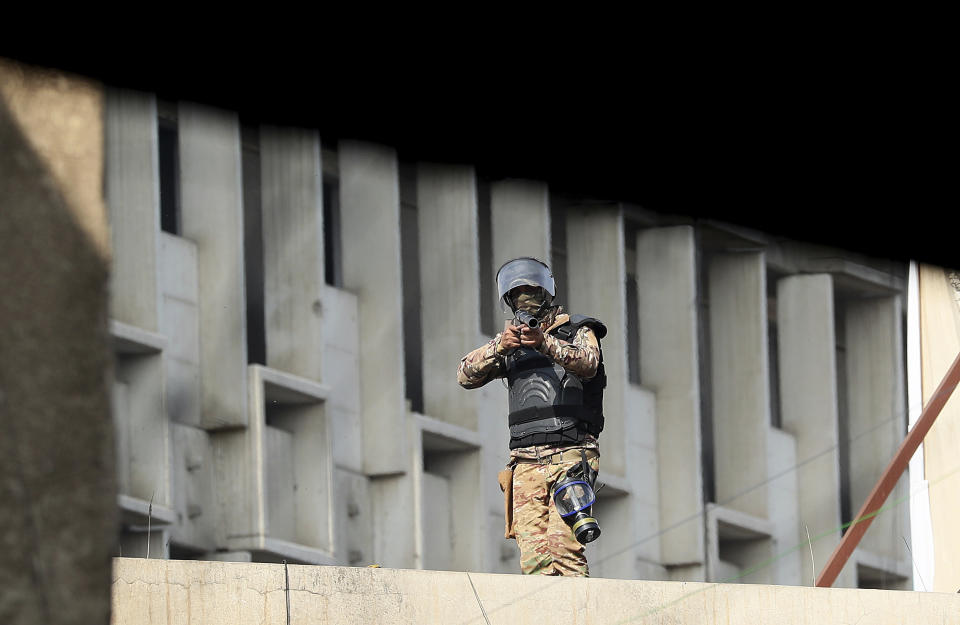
(194,495)
(180,321)
(667,288)
(212,216)
(133,198)
(146,428)
(279,484)
(597,274)
(438,546)
(808,395)
(449,287)
(353,522)
(741,404)
(520,216)
(292,205)
(58,516)
(877,413)
(370,221)
(784,514)
(397,507)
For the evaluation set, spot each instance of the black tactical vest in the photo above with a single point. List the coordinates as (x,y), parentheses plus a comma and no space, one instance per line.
(549,405)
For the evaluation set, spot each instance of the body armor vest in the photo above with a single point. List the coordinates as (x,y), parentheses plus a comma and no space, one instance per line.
(549,405)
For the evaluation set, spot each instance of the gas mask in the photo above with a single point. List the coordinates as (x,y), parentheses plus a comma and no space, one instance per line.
(574,496)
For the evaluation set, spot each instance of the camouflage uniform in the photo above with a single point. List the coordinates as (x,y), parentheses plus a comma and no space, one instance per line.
(547,544)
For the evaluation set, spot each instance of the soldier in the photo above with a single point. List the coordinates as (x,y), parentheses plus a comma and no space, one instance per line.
(554,370)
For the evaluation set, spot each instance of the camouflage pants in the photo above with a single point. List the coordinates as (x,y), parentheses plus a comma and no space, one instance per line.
(547,544)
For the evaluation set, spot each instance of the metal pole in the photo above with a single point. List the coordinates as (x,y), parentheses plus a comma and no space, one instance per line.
(890,476)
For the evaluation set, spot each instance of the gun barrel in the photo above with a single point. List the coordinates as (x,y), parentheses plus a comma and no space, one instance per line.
(527,319)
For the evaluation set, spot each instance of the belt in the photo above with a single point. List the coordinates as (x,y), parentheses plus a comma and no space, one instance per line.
(568,455)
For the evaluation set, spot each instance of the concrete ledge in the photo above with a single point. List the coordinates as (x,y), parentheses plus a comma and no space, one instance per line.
(287,388)
(155,592)
(135,511)
(128,339)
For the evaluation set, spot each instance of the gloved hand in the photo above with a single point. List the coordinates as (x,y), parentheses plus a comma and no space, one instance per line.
(531,337)
(509,339)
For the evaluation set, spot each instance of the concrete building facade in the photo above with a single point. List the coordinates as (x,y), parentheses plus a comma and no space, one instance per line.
(288,314)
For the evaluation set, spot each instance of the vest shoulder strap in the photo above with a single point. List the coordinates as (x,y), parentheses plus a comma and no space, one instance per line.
(569,329)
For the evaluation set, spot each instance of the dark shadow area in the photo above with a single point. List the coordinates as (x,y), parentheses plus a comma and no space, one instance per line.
(58,516)
(813,158)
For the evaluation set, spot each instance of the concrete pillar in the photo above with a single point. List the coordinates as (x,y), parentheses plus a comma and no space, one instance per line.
(808,396)
(132,194)
(180,306)
(133,197)
(520,214)
(370,221)
(292,201)
(212,216)
(58,516)
(876,408)
(596,268)
(787,569)
(397,507)
(740,378)
(669,360)
(449,287)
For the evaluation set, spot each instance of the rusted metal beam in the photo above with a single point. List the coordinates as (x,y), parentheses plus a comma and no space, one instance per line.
(890,476)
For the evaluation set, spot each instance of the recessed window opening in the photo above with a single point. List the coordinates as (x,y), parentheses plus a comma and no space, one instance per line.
(843,413)
(633,311)
(332,244)
(773,350)
(253,243)
(558,247)
(168,138)
(488,322)
(410,273)
(706,386)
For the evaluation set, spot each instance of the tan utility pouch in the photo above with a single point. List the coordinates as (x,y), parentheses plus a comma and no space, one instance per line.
(505,478)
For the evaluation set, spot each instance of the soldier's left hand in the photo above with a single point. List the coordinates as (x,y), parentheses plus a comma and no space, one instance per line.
(531,337)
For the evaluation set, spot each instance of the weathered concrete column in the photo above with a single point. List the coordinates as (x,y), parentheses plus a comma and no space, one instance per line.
(449,287)
(212,216)
(58,516)
(520,215)
(596,269)
(876,408)
(740,379)
(370,220)
(293,280)
(132,194)
(808,396)
(133,197)
(669,360)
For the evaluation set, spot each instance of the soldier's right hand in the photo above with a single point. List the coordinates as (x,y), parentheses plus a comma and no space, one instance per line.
(510,339)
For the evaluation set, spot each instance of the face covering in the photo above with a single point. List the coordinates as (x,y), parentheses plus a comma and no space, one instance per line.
(529,302)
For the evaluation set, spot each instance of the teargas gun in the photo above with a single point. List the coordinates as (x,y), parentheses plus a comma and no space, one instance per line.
(525,318)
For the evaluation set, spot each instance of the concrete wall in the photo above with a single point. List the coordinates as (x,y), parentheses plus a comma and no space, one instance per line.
(151,592)
(370,218)
(666,277)
(808,391)
(449,287)
(212,217)
(877,415)
(325,454)
(738,334)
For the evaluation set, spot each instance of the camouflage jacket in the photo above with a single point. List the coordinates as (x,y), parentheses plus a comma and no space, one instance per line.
(580,357)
